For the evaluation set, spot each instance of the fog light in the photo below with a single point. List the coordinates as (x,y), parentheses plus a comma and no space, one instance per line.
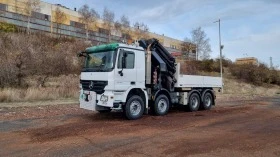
(104,98)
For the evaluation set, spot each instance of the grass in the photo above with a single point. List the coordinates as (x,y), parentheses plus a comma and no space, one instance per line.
(237,87)
(63,87)
(66,87)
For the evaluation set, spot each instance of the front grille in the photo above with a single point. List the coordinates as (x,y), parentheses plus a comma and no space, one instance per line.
(96,86)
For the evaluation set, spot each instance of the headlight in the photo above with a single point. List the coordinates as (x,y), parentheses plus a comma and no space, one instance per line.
(80,86)
(104,98)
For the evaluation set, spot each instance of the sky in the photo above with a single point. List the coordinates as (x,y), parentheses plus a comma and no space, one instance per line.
(249,28)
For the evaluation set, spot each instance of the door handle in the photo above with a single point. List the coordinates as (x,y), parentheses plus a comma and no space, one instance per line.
(132,83)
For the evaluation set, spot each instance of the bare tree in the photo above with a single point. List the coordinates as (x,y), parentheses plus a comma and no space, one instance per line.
(123,26)
(108,21)
(31,6)
(59,19)
(21,58)
(200,39)
(118,26)
(187,47)
(125,23)
(88,16)
(7,72)
(142,30)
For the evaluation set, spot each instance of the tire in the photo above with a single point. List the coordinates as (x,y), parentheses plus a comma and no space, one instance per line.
(207,101)
(134,108)
(161,105)
(194,102)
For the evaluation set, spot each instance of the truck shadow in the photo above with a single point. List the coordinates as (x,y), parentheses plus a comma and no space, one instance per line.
(105,124)
(119,115)
(115,116)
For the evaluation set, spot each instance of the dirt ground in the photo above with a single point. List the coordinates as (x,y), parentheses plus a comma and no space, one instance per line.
(232,128)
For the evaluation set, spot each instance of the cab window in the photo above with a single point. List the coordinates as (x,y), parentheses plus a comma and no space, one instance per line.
(129,59)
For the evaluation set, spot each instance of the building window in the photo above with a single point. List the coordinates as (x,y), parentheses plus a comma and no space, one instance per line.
(47,17)
(3,7)
(77,24)
(126,35)
(103,31)
(173,46)
(40,16)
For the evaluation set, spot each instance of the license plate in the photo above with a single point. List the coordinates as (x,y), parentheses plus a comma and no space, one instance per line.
(86,92)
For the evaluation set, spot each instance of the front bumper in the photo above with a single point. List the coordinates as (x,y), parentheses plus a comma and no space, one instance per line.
(89,100)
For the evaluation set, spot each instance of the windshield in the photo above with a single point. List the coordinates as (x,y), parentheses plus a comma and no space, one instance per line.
(99,61)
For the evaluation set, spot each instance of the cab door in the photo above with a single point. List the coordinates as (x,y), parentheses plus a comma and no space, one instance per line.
(125,70)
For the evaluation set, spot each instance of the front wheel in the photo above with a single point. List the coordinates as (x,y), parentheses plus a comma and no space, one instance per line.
(161,105)
(134,108)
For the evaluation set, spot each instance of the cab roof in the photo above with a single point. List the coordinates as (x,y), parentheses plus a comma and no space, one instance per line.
(111,47)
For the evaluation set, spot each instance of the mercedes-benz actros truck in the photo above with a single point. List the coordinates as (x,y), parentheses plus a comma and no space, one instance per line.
(139,78)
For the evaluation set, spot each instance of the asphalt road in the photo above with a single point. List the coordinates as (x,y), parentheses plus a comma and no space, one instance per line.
(231,128)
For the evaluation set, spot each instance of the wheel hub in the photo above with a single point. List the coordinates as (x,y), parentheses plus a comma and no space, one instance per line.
(208,101)
(162,105)
(194,102)
(135,108)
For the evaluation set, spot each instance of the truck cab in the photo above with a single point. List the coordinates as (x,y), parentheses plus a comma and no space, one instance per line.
(110,73)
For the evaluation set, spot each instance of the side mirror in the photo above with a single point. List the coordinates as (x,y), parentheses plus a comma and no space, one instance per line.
(82,54)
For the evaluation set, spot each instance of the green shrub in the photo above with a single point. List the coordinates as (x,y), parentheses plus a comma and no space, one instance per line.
(193,67)
(23,56)
(5,27)
(255,74)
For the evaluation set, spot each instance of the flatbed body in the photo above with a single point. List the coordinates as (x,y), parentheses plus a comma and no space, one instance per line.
(195,81)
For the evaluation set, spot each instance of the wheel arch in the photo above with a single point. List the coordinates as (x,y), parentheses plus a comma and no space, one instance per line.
(162,91)
(137,91)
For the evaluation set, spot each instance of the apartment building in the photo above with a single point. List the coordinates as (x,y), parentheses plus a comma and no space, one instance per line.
(14,12)
(247,60)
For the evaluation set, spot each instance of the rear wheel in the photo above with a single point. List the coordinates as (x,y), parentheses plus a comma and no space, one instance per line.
(161,105)
(134,108)
(194,102)
(207,101)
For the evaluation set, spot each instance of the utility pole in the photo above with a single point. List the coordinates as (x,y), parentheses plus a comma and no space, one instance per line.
(271,64)
(52,18)
(196,55)
(221,57)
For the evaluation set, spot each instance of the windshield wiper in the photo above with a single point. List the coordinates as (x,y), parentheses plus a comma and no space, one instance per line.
(94,70)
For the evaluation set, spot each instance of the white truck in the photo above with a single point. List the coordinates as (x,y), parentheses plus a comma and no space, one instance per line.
(140,78)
